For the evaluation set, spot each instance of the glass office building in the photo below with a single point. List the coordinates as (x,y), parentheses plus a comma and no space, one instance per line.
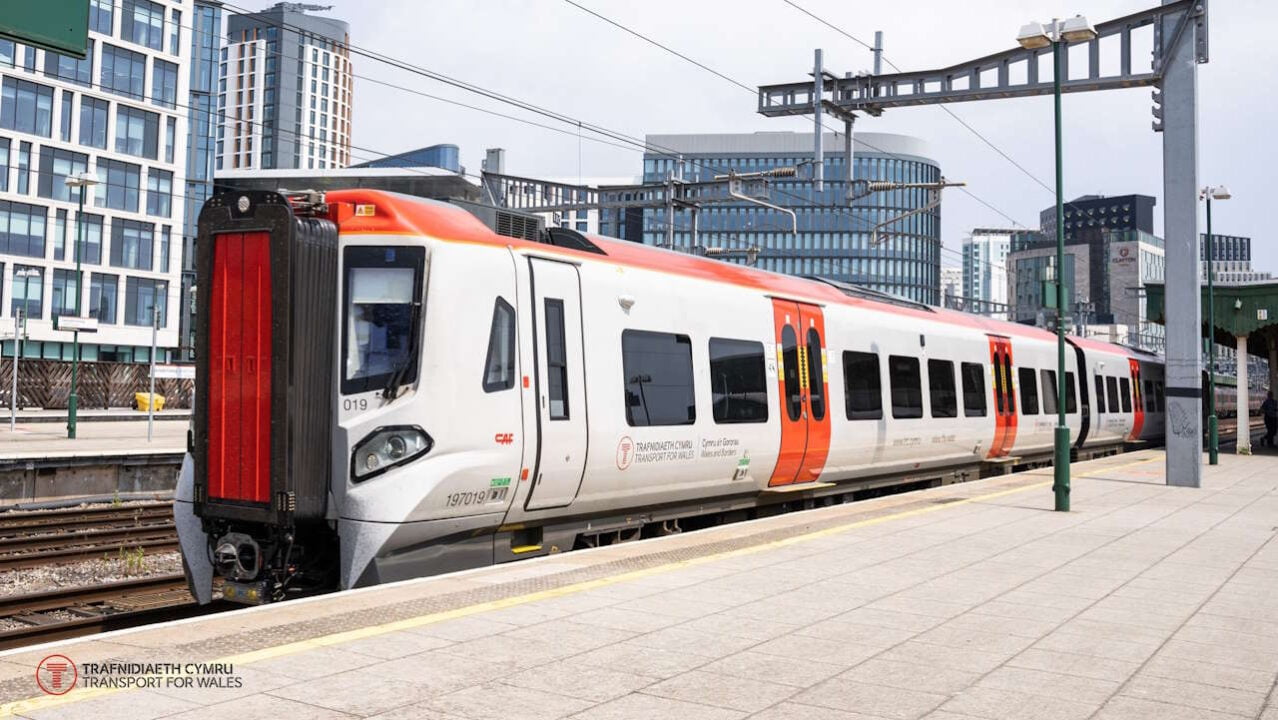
(833,239)
(120,115)
(206,42)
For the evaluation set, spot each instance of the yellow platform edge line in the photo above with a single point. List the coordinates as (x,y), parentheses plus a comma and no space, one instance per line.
(18,707)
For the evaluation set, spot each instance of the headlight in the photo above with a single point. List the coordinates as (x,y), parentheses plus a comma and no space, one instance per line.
(387,447)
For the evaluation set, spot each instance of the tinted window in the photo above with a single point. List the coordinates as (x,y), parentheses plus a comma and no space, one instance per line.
(793,399)
(1071,394)
(1151,405)
(1049,391)
(499,366)
(1007,383)
(26,106)
(973,389)
(738,381)
(1126,394)
(816,375)
(1100,394)
(658,378)
(556,360)
(381,288)
(142,297)
(1161,396)
(907,388)
(1029,391)
(862,387)
(940,383)
(1111,384)
(999,382)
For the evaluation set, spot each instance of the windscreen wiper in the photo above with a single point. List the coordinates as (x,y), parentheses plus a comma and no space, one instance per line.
(391,389)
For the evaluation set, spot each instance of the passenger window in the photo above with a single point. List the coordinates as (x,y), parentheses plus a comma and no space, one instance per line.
(556,359)
(907,388)
(1071,393)
(1126,394)
(1151,405)
(940,383)
(1049,391)
(973,389)
(816,375)
(862,386)
(738,381)
(1111,384)
(1160,395)
(658,378)
(1100,394)
(499,367)
(793,399)
(1029,391)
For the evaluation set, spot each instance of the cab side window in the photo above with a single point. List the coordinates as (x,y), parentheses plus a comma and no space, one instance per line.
(499,366)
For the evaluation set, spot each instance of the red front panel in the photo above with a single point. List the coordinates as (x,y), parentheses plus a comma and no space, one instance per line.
(239,368)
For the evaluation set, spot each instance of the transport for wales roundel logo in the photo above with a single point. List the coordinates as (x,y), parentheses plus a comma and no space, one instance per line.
(625,452)
(56,675)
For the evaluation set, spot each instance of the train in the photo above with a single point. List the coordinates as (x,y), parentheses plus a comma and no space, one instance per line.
(392,387)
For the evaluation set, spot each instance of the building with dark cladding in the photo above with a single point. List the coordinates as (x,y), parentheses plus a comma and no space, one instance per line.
(1100,212)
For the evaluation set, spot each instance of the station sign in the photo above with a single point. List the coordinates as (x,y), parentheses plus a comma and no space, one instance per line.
(170,371)
(71,322)
(58,25)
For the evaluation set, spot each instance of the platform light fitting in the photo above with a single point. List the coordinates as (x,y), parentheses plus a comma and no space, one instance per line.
(1071,30)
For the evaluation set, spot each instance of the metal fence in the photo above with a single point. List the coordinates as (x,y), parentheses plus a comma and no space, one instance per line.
(47,384)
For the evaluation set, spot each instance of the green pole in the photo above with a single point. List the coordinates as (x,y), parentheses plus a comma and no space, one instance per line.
(72,400)
(1213,435)
(1060,464)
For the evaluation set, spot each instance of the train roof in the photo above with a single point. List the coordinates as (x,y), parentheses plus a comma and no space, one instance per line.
(404,214)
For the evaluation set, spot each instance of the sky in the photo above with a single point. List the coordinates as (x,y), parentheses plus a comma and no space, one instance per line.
(557,56)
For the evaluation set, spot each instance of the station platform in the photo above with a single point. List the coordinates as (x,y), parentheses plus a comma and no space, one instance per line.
(963,601)
(45,440)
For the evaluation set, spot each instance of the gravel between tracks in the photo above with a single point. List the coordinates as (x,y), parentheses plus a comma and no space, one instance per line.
(88,572)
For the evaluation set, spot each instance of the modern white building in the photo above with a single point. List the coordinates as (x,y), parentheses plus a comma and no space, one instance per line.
(284,93)
(951,283)
(985,267)
(119,115)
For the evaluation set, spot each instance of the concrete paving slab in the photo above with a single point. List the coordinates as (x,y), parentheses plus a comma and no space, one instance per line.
(1145,602)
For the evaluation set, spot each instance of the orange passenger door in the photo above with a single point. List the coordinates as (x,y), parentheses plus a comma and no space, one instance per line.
(804,391)
(1004,396)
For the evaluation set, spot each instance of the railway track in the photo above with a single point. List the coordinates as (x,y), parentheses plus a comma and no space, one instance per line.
(39,538)
(74,612)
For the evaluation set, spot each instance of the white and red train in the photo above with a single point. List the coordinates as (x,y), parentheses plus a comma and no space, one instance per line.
(390,389)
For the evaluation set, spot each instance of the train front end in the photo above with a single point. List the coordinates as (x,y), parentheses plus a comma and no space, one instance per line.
(253,506)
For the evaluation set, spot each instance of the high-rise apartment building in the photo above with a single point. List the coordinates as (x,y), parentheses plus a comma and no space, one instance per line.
(985,269)
(120,116)
(284,91)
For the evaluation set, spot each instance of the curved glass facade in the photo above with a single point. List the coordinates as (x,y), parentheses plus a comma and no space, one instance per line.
(833,239)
